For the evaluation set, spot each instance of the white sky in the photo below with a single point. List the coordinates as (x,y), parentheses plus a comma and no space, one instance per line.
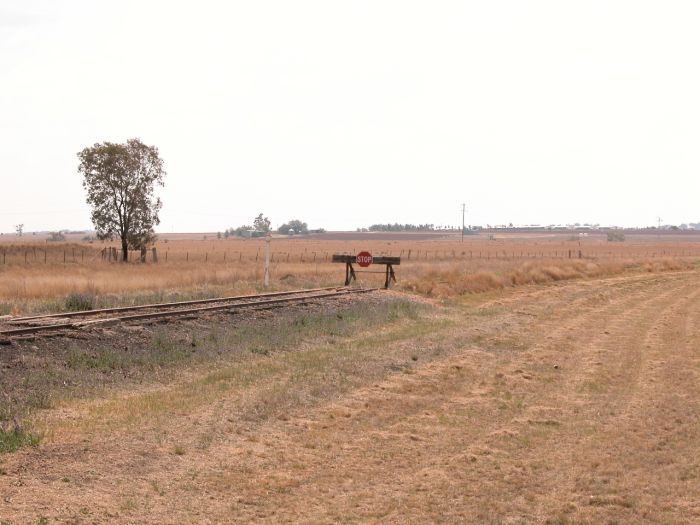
(343,114)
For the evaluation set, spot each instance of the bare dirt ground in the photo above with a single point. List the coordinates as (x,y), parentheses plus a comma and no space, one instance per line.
(570,403)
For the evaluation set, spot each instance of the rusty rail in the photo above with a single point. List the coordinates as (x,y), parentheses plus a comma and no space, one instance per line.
(87,313)
(302,296)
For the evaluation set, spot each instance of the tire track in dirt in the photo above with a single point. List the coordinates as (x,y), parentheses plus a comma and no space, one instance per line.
(605,384)
(655,435)
(491,433)
(401,413)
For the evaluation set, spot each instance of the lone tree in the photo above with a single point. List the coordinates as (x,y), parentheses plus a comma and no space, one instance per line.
(262,223)
(120,180)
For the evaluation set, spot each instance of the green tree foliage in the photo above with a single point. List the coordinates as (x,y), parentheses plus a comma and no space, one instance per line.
(120,181)
(237,232)
(262,224)
(293,227)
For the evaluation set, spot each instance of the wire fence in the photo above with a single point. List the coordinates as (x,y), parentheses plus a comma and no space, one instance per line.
(113,255)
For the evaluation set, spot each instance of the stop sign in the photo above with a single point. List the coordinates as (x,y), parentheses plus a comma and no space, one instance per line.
(364,259)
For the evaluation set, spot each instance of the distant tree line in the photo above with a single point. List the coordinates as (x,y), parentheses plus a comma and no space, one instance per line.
(396,227)
(262,225)
(293,227)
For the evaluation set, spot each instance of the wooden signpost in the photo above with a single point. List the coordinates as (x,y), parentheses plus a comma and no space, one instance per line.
(364,260)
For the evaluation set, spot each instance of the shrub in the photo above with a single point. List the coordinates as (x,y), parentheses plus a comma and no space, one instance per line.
(77,302)
(56,236)
(616,236)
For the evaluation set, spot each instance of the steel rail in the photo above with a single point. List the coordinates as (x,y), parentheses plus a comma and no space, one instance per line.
(178,312)
(86,313)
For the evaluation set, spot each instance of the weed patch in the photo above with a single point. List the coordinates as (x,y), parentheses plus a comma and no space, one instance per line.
(16,438)
(77,302)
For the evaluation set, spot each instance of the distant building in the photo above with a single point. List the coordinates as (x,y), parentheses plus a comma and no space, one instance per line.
(250,234)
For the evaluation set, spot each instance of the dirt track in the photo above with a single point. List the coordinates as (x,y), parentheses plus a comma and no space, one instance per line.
(578,403)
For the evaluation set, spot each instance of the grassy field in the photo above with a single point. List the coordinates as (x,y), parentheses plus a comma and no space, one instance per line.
(484,394)
(34,276)
(572,403)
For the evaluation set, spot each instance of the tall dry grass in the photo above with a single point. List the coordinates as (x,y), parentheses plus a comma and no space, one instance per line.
(458,280)
(210,268)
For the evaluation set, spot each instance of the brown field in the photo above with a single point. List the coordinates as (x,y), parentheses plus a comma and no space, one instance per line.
(38,275)
(504,388)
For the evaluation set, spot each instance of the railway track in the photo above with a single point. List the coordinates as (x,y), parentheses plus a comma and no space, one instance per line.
(56,323)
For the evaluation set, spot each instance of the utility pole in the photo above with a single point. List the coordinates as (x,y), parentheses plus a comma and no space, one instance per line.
(658,228)
(464,207)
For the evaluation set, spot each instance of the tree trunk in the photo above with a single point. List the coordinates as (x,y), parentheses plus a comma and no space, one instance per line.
(125,251)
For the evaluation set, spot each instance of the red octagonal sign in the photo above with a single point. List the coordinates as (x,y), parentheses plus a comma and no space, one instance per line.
(364,259)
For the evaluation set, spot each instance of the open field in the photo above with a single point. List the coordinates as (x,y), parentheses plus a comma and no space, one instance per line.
(571,402)
(517,381)
(34,276)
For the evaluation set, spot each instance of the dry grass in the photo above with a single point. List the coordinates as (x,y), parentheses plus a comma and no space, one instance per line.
(204,268)
(575,403)
(458,280)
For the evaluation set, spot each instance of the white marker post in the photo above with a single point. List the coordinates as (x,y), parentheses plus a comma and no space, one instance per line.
(268,237)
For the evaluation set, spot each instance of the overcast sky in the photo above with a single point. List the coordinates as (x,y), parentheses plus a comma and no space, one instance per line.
(343,114)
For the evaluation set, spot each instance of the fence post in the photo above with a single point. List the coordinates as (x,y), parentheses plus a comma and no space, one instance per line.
(154,253)
(268,238)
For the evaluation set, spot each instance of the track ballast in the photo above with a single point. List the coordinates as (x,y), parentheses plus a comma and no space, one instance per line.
(56,323)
